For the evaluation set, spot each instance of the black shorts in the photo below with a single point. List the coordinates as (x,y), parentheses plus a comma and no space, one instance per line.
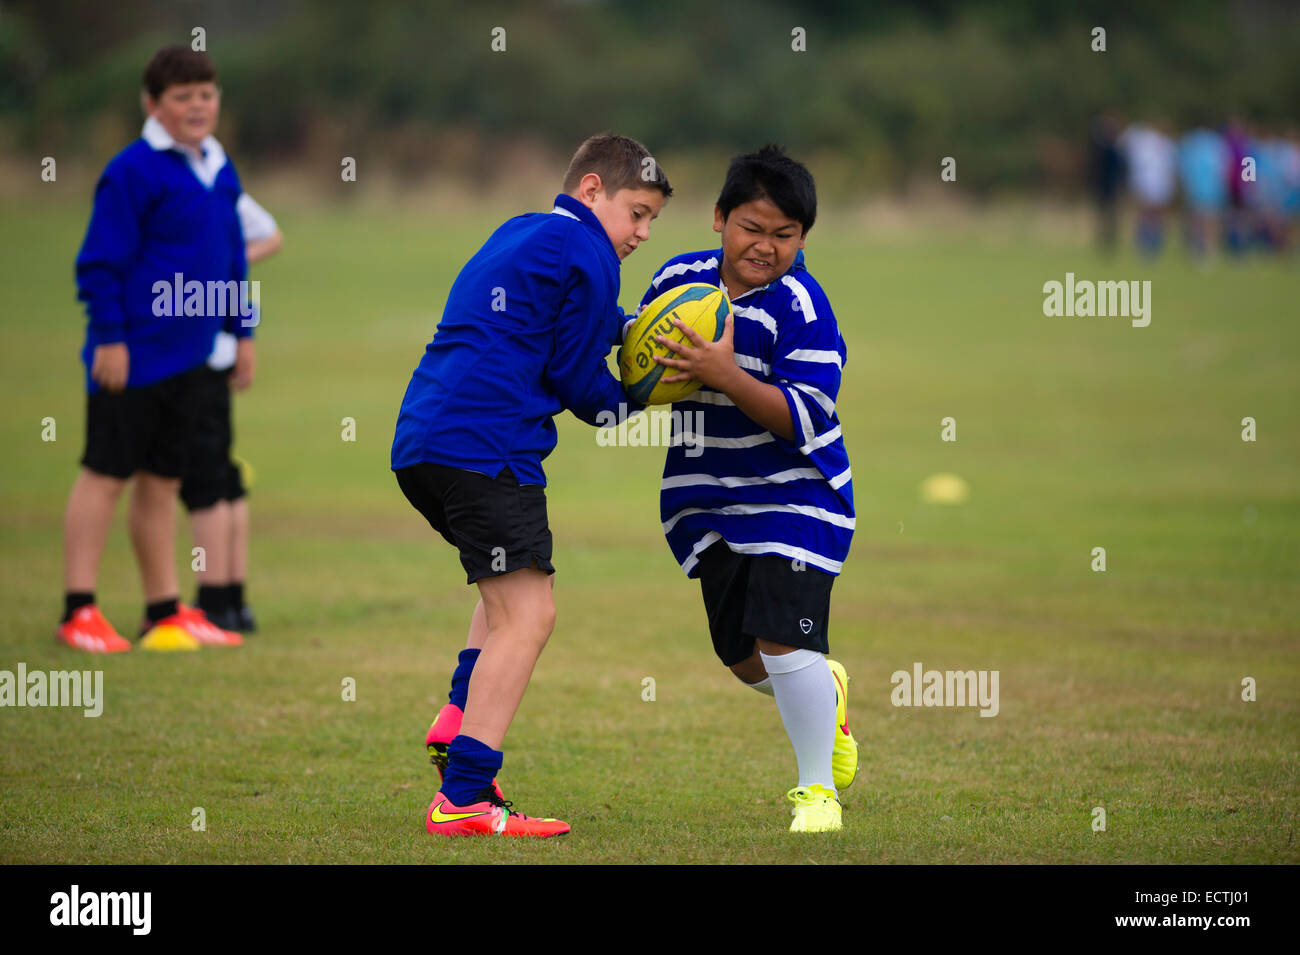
(497,524)
(142,429)
(762,597)
(210,475)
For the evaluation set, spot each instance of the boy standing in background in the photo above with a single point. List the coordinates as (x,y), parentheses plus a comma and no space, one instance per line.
(213,490)
(164,206)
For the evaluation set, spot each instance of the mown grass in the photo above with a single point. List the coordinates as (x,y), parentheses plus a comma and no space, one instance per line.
(1119,689)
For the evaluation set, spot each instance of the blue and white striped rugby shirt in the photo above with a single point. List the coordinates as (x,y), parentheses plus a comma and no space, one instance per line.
(740,483)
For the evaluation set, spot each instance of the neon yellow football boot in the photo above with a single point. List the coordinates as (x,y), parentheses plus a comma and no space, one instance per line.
(844,757)
(816,809)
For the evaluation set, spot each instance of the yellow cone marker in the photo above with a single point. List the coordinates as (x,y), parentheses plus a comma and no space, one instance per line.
(944,489)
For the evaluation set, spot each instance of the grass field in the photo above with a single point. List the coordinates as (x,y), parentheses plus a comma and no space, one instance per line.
(1119,689)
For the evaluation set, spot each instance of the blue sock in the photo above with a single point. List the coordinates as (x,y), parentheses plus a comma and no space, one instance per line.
(460,679)
(471,767)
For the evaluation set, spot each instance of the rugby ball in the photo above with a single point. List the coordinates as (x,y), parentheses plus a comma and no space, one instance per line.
(699,306)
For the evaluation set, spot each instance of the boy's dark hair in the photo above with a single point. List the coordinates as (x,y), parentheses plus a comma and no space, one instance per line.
(770,173)
(176,65)
(621,163)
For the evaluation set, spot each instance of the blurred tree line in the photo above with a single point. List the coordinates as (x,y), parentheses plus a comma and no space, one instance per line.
(881,92)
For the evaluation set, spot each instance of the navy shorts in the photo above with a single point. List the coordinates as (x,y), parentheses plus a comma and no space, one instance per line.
(765,597)
(146,428)
(210,475)
(497,524)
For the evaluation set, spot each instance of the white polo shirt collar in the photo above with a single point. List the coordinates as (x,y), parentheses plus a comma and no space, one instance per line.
(205,164)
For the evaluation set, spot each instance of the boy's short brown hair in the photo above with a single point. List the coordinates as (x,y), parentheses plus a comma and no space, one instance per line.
(175,66)
(621,163)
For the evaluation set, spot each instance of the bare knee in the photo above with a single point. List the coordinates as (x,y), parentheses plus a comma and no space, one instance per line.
(520,606)
(153,486)
(153,497)
(542,617)
(102,485)
(531,627)
(751,670)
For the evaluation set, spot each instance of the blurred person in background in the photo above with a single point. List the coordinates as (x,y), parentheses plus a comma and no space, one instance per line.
(1268,198)
(1203,162)
(1241,183)
(214,489)
(1151,159)
(164,209)
(1291,177)
(1105,177)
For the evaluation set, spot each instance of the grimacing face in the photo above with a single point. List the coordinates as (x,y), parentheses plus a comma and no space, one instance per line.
(188,111)
(626,215)
(759,243)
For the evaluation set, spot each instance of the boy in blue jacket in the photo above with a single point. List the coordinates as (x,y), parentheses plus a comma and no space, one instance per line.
(525,333)
(161,272)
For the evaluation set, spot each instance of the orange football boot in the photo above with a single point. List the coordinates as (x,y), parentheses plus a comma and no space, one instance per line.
(87,630)
(196,623)
(489,815)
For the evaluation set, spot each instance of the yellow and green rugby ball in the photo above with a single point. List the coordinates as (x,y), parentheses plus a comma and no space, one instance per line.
(699,306)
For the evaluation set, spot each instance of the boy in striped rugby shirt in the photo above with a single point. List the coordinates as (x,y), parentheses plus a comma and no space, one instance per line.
(763,516)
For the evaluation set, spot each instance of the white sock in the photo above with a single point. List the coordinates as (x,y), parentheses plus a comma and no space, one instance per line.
(763,686)
(805,696)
